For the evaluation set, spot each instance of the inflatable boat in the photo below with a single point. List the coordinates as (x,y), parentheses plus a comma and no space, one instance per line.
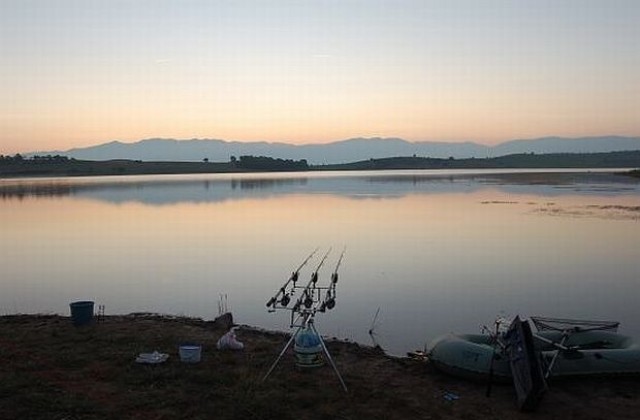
(573,352)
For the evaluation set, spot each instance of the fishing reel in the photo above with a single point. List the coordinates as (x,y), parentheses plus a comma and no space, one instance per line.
(328,303)
(286,294)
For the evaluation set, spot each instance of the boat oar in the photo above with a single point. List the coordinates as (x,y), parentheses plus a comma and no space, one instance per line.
(490,380)
(493,357)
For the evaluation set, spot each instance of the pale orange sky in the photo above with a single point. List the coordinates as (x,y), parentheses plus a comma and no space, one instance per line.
(76,74)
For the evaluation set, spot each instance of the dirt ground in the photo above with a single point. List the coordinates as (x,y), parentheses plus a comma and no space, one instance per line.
(50,369)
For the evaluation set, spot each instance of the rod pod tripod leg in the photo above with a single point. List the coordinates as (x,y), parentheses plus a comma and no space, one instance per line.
(326,352)
(322,344)
(275,363)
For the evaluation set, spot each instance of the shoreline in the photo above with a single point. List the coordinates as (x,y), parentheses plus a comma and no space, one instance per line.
(63,166)
(52,369)
(628,172)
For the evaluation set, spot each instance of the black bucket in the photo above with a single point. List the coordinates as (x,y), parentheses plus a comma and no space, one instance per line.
(81,312)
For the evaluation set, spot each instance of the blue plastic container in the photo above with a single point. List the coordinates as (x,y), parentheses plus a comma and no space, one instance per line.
(308,349)
(81,312)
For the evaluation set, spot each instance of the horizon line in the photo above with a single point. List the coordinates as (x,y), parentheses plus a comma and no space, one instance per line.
(282,142)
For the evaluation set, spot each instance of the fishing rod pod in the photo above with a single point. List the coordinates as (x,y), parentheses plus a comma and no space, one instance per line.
(312,297)
(305,308)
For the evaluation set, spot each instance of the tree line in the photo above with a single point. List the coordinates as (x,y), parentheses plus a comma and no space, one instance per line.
(18,158)
(264,163)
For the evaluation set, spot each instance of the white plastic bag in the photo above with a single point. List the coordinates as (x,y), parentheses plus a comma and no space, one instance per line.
(229,341)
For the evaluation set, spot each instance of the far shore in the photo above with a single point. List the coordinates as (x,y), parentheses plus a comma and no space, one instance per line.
(58,166)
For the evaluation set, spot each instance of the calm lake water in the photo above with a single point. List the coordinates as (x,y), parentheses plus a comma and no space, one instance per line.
(434,251)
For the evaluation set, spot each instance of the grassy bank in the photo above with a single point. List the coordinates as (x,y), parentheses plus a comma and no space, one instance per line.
(52,370)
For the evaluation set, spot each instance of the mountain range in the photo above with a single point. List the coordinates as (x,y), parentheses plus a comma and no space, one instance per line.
(351,150)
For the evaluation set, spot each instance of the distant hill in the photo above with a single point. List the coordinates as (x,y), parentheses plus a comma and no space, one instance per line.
(629,159)
(344,151)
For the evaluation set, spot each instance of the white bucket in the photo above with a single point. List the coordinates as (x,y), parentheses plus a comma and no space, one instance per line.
(190,353)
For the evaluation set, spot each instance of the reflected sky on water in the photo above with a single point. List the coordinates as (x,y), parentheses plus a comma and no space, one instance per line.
(435,251)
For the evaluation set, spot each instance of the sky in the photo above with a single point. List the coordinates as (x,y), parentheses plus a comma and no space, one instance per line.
(75,73)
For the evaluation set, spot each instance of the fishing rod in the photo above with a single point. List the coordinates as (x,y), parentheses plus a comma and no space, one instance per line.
(330,298)
(334,276)
(307,296)
(284,301)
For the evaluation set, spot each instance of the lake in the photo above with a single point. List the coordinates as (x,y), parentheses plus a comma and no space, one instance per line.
(429,251)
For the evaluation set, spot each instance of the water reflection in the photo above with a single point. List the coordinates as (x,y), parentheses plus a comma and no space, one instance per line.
(436,252)
(162,190)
